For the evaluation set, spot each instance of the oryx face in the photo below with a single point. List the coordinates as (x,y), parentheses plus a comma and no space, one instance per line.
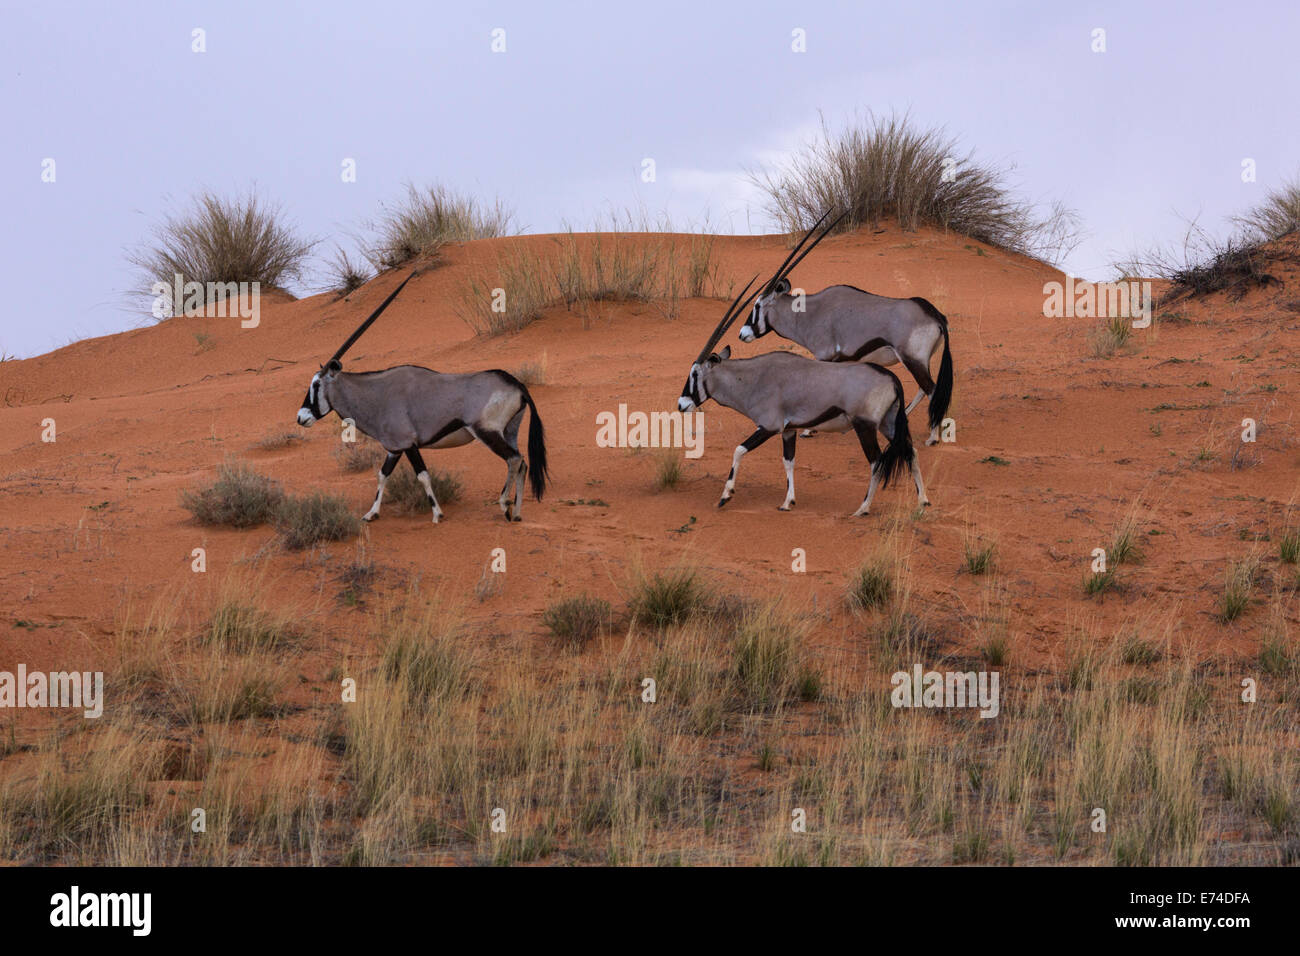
(315,405)
(758,324)
(696,392)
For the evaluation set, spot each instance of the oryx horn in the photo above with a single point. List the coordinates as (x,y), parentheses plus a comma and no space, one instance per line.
(788,266)
(373,315)
(727,319)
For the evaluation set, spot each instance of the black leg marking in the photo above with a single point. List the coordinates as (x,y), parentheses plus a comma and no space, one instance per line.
(921,372)
(749,444)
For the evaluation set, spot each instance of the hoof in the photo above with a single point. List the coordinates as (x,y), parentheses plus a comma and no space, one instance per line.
(517,518)
(368,517)
(789,507)
(931,441)
(722,502)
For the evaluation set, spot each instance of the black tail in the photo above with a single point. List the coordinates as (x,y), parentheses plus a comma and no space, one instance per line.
(537,471)
(898,456)
(942,396)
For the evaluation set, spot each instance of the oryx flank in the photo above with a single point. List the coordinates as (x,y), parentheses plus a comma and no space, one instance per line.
(845,324)
(409,407)
(782,393)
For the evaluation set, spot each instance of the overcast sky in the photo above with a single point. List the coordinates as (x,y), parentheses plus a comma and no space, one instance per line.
(1153,129)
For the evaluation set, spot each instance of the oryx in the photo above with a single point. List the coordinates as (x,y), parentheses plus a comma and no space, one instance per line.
(842,323)
(783,392)
(409,407)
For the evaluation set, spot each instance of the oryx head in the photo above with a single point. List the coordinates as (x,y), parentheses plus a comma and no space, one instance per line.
(757,325)
(759,322)
(696,392)
(315,405)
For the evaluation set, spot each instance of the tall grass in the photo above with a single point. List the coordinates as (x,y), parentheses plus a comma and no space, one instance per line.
(221,240)
(425,220)
(1276,216)
(878,169)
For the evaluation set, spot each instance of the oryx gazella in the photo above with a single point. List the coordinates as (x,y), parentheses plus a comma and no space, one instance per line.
(843,323)
(783,392)
(409,407)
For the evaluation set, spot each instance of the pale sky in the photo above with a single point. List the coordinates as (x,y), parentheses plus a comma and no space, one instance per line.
(1137,138)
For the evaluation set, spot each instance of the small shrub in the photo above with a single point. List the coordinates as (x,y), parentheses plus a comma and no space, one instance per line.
(218,241)
(404,491)
(242,628)
(667,598)
(315,518)
(239,497)
(1098,582)
(426,220)
(979,557)
(872,586)
(1237,586)
(1288,548)
(344,274)
(1110,336)
(577,620)
(668,471)
(355,456)
(1125,548)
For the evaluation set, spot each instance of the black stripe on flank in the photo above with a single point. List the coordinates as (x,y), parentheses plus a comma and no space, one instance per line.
(455,426)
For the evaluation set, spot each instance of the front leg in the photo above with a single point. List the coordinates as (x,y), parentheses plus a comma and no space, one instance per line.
(385,470)
(748,445)
(788,439)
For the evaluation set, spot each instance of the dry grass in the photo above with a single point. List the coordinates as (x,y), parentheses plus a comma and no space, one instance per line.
(221,240)
(425,220)
(313,518)
(345,275)
(883,169)
(238,497)
(1277,216)
(404,492)
(447,736)
(583,271)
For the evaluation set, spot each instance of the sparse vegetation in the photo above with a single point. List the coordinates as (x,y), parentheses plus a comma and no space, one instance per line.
(425,220)
(315,518)
(1239,582)
(238,497)
(884,169)
(345,275)
(872,585)
(668,470)
(217,241)
(1109,336)
(979,555)
(577,620)
(667,598)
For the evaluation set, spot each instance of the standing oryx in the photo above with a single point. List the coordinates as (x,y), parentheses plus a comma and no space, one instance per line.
(408,407)
(782,392)
(845,324)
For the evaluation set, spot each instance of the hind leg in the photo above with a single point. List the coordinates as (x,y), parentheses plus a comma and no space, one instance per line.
(385,470)
(921,372)
(422,475)
(788,439)
(871,448)
(515,466)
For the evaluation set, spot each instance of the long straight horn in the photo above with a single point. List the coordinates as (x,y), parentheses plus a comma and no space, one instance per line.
(825,232)
(727,319)
(778,275)
(373,315)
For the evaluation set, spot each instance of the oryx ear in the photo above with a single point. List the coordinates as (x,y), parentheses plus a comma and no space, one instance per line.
(782,287)
(725,353)
(333,366)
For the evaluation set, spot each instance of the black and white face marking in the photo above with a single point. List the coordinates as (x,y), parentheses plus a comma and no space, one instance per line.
(696,392)
(756,326)
(314,406)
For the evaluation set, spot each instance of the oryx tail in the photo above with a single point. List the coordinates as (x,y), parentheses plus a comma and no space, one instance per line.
(537,471)
(942,397)
(898,456)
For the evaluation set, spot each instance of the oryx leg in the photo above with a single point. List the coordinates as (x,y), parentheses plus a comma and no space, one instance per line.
(385,470)
(788,439)
(921,372)
(871,448)
(515,468)
(748,445)
(422,475)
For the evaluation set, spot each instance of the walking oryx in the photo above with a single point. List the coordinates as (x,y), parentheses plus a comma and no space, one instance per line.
(845,324)
(408,407)
(782,392)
